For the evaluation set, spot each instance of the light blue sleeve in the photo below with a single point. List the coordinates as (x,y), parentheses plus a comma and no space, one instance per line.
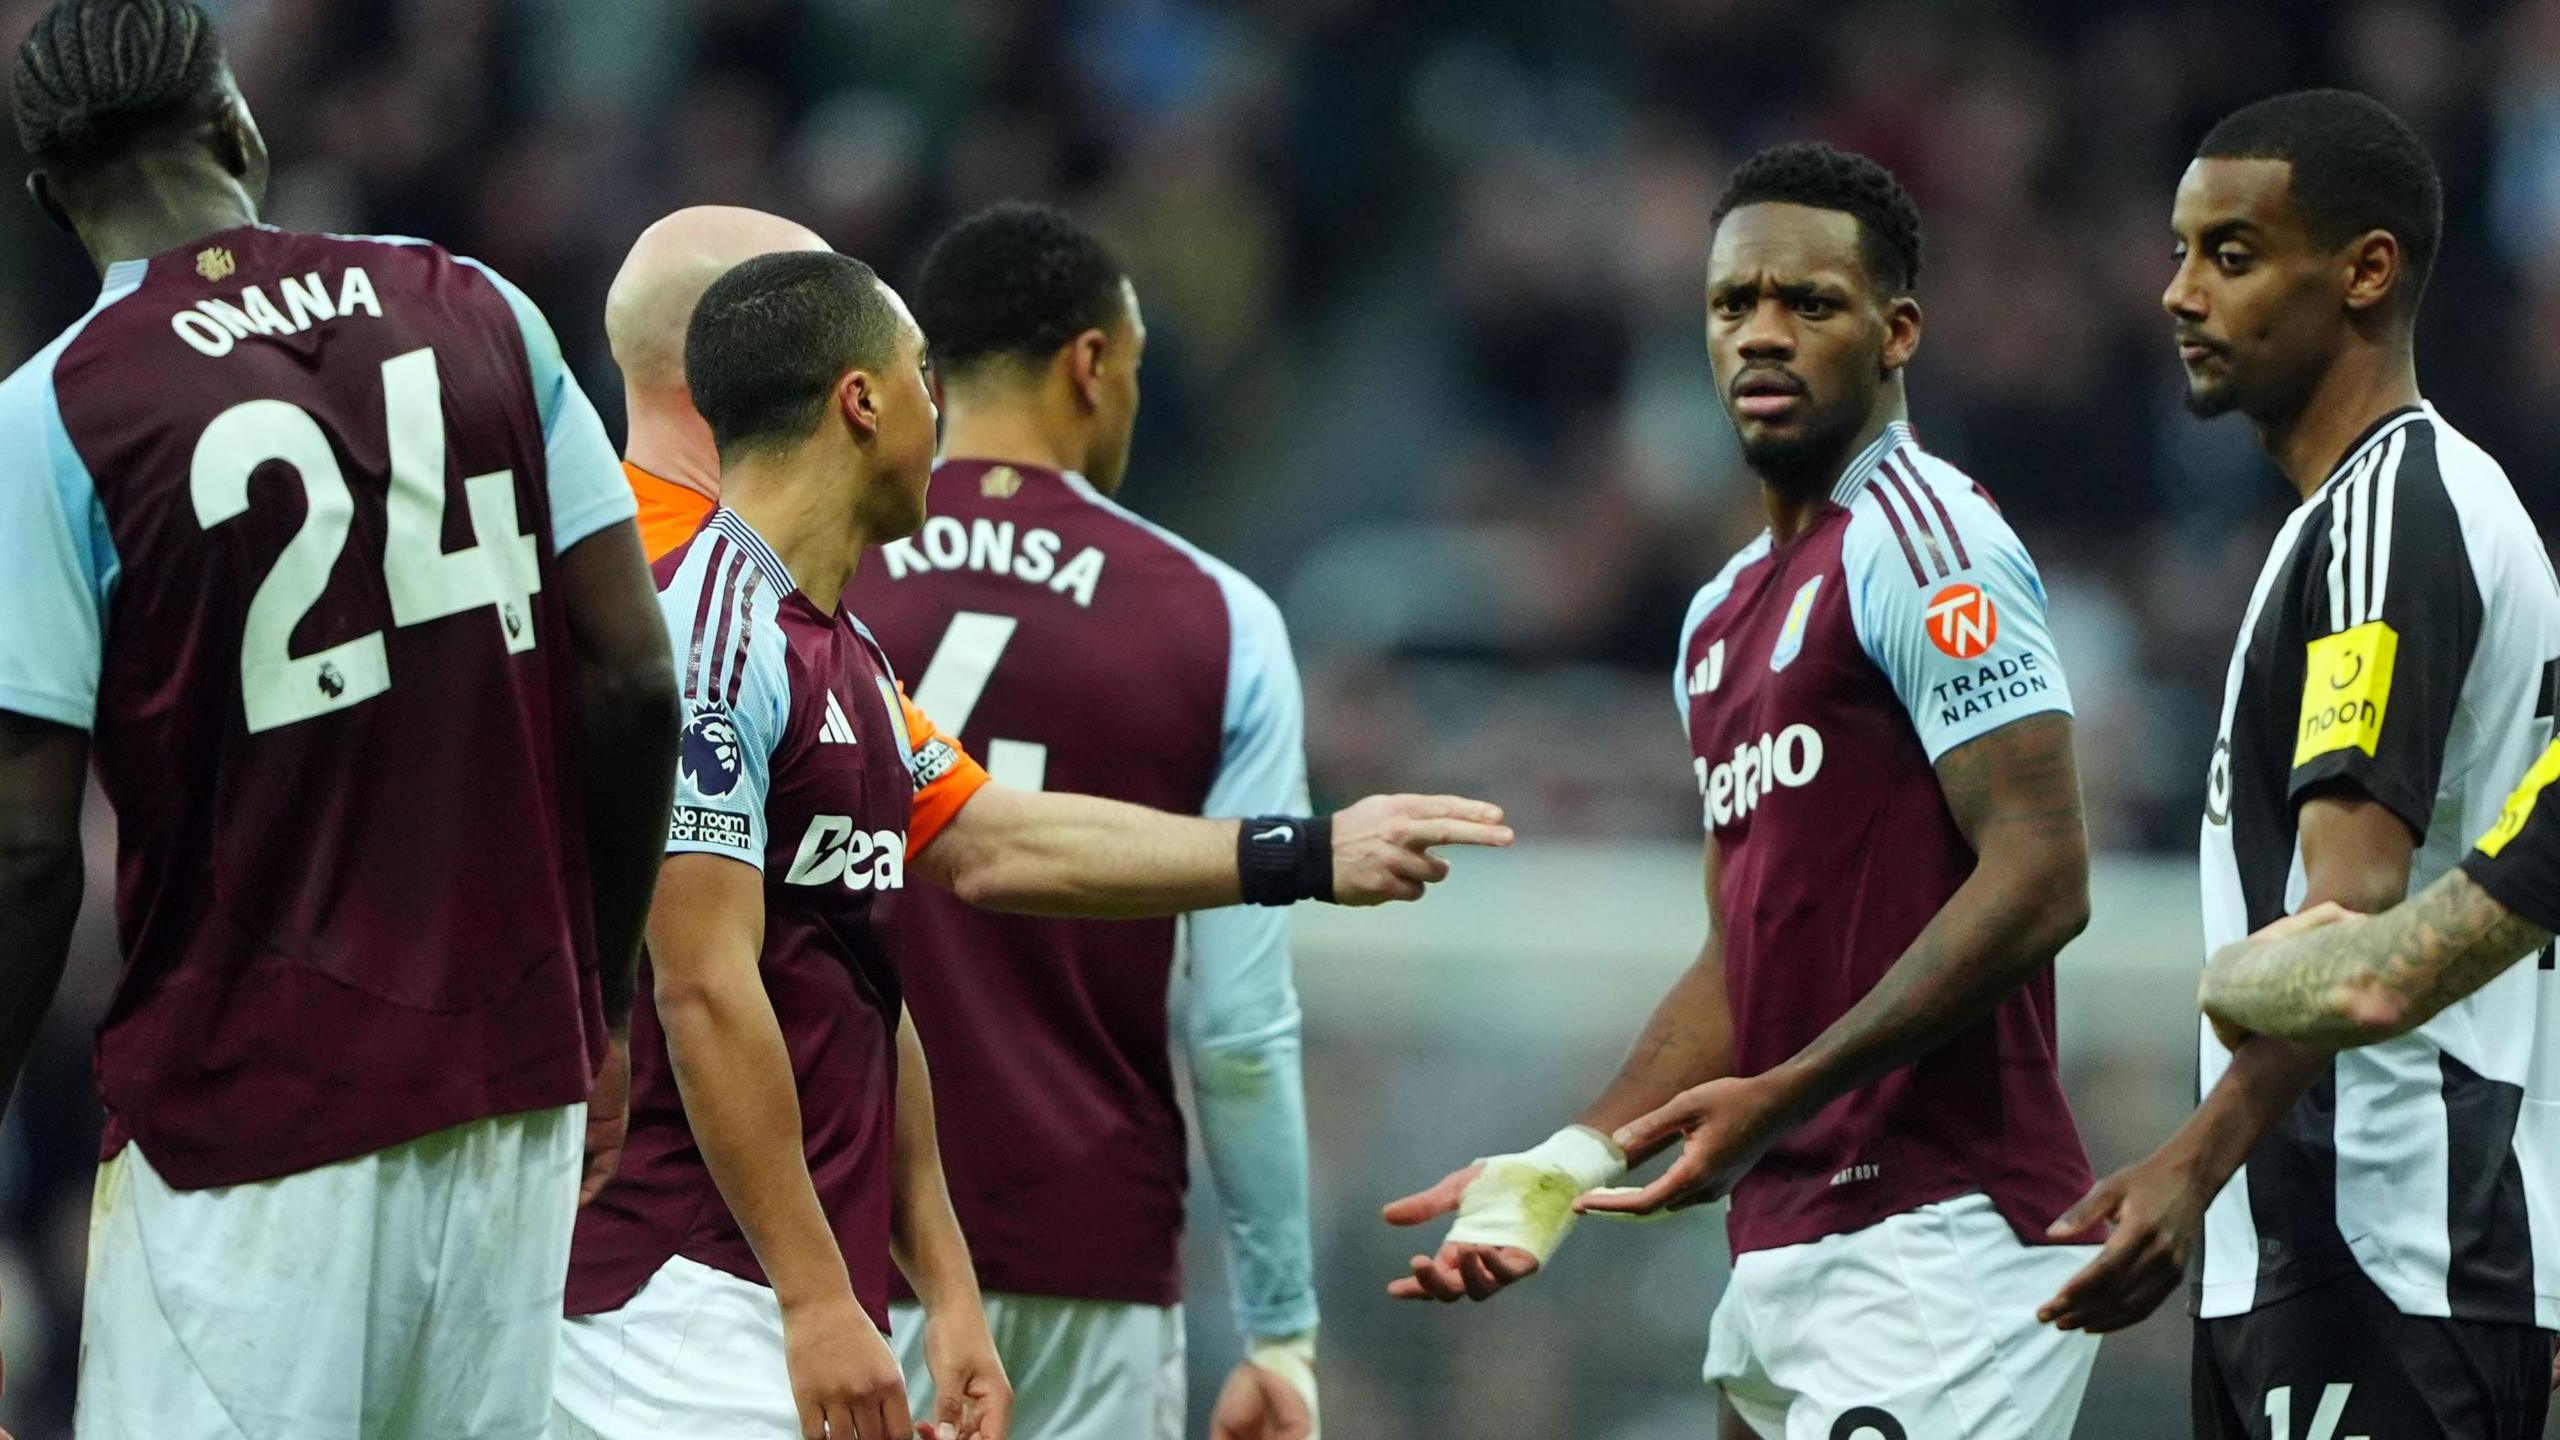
(588,489)
(1968,650)
(56,554)
(724,765)
(1242,1025)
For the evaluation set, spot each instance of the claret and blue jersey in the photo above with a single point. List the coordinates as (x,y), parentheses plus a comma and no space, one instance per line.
(1820,681)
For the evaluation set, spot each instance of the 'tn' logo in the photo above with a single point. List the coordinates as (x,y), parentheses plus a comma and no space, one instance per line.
(1962,621)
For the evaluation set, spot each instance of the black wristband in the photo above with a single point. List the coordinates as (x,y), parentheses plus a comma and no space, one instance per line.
(1283,859)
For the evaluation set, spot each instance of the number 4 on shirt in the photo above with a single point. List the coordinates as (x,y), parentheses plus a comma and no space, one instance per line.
(955,678)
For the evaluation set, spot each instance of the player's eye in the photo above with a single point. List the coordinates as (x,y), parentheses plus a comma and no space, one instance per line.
(1816,307)
(2232,259)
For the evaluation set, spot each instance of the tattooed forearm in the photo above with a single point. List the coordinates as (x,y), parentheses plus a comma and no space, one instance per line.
(2370,978)
(2015,794)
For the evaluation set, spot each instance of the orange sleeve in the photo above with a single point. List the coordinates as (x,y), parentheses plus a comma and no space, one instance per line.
(956,776)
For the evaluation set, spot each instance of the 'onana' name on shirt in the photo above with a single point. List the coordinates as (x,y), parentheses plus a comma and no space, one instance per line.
(215,326)
(992,547)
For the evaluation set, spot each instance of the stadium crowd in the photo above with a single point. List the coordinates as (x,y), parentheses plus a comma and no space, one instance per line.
(1423,287)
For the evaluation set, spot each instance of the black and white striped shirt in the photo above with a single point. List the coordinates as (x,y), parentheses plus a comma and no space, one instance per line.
(2400,644)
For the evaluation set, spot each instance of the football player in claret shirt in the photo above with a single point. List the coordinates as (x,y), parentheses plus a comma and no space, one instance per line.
(313,545)
(1080,648)
(1863,1054)
(2370,1226)
(734,1276)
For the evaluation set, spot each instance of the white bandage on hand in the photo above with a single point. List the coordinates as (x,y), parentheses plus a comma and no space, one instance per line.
(1525,1201)
(1293,1359)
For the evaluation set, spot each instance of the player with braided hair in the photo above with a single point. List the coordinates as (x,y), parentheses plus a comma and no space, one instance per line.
(316,548)
(1862,1056)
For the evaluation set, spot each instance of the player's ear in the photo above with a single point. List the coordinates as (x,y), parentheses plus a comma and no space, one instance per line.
(40,190)
(1901,332)
(2373,269)
(859,400)
(1088,355)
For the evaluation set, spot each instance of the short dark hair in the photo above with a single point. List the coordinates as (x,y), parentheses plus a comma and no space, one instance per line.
(1817,175)
(2356,167)
(94,76)
(1014,281)
(770,339)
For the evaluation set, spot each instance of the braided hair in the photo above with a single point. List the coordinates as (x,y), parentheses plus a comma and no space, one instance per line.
(1823,178)
(93,76)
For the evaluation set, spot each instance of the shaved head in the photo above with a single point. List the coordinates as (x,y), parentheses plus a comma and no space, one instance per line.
(669,267)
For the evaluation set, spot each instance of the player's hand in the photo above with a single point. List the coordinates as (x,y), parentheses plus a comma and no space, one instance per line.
(844,1380)
(1726,1126)
(1463,1270)
(972,1399)
(608,1118)
(1382,845)
(1257,1404)
(2157,1209)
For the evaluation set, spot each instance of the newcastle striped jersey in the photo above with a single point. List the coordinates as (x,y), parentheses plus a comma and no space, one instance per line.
(2400,642)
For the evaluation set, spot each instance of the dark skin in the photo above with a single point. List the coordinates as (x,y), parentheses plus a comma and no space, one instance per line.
(2310,339)
(195,176)
(1808,352)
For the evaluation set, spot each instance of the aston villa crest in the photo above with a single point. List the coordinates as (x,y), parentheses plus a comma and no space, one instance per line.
(1002,483)
(215,263)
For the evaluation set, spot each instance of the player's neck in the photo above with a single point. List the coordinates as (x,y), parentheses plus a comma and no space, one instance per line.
(2349,398)
(671,441)
(798,504)
(1794,502)
(159,206)
(1017,430)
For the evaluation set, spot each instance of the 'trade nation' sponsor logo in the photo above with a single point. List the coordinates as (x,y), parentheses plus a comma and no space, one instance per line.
(1988,687)
(1963,623)
(2346,688)
(710,755)
(2519,807)
(1787,760)
(835,849)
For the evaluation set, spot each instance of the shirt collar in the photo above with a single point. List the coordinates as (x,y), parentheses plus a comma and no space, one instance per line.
(744,536)
(1897,433)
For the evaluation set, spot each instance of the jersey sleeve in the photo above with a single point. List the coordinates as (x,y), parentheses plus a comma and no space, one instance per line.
(58,556)
(2388,615)
(1242,1027)
(1948,604)
(2518,861)
(588,488)
(724,765)
(945,775)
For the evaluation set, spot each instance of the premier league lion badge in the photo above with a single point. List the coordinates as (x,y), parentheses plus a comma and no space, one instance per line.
(710,755)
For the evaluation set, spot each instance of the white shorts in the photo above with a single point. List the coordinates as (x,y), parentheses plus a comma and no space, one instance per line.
(412,1292)
(1081,1369)
(697,1353)
(1921,1325)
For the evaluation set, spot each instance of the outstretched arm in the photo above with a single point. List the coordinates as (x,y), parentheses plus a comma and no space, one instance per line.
(2015,794)
(1050,853)
(2336,979)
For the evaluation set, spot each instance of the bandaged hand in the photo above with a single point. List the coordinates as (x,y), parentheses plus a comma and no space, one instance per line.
(1513,1212)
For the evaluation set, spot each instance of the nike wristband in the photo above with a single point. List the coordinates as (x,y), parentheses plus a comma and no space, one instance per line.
(1283,859)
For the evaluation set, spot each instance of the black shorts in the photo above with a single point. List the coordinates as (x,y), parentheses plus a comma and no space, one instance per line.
(2338,1361)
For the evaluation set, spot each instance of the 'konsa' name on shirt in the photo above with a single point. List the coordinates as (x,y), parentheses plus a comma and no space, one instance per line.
(214,327)
(992,547)
(1988,687)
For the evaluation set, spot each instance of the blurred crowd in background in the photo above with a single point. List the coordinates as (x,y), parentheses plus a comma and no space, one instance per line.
(1423,283)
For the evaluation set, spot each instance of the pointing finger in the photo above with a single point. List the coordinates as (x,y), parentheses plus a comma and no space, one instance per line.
(1429,831)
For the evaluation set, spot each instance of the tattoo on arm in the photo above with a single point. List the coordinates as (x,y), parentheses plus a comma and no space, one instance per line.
(2368,979)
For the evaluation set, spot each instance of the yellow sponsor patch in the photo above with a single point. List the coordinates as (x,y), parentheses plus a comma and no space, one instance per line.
(2520,804)
(2345,688)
